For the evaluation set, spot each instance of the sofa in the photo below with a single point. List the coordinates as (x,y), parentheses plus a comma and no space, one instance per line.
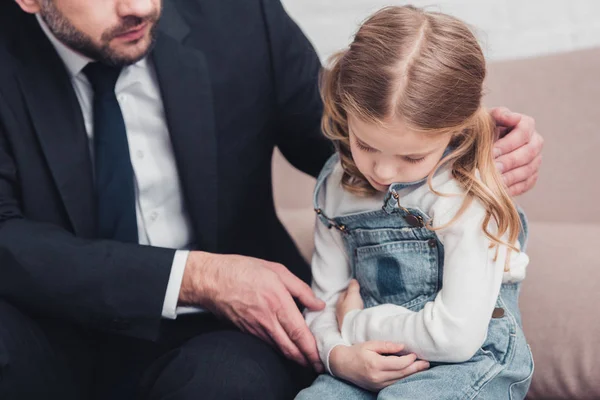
(561,294)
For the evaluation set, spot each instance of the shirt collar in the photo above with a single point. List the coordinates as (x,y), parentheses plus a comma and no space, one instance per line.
(73,60)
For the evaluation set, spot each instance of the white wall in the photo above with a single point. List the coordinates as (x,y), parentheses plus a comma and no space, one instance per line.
(509,28)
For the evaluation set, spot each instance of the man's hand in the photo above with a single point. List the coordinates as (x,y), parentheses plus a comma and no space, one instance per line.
(348,301)
(518,152)
(373,365)
(256,295)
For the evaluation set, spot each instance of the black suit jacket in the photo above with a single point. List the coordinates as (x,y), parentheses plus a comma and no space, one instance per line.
(237,78)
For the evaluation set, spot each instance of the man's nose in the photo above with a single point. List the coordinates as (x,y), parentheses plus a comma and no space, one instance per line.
(136,8)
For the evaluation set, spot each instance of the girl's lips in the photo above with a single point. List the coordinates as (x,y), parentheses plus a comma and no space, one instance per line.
(378,183)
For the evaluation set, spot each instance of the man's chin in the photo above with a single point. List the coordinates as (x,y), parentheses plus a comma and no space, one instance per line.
(127,54)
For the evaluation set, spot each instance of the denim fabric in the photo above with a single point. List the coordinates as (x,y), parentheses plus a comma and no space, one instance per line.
(397,260)
(327,387)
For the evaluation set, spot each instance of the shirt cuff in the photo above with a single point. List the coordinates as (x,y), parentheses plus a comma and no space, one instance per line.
(169,309)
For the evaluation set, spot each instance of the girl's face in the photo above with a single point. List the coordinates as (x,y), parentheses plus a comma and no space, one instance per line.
(393,154)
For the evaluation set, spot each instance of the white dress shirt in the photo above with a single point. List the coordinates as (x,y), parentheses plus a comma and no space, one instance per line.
(452,326)
(162,218)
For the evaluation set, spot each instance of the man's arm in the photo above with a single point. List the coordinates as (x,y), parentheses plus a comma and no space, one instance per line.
(106,285)
(296,69)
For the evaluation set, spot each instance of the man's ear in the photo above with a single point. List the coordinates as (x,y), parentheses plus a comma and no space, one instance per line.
(29,6)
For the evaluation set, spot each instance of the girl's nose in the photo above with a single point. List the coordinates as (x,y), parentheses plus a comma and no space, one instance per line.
(385,172)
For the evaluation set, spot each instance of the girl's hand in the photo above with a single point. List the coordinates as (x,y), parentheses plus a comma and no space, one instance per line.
(369,366)
(348,301)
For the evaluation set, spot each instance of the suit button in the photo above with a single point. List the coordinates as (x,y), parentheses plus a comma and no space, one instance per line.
(498,312)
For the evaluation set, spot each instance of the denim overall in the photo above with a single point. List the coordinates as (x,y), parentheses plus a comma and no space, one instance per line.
(397,260)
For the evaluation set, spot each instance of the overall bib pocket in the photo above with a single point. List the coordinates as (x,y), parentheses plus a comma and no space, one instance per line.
(404,273)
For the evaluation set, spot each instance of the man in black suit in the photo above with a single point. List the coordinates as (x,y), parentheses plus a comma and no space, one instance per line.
(135,178)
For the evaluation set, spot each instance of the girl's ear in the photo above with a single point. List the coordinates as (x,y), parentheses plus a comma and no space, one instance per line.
(29,6)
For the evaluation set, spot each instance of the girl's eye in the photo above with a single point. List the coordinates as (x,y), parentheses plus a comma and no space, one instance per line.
(414,160)
(364,148)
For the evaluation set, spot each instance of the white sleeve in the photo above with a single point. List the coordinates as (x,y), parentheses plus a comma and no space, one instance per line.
(169,309)
(331,275)
(453,326)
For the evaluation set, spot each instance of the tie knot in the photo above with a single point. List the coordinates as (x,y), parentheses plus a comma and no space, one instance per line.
(102,77)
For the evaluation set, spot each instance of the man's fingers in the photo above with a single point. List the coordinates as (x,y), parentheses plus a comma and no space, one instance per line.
(305,295)
(262,333)
(501,131)
(518,137)
(523,155)
(296,329)
(259,331)
(523,173)
(287,347)
(504,117)
(298,288)
(522,187)
(384,347)
(497,112)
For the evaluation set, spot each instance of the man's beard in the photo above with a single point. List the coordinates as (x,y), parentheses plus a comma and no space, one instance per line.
(79,41)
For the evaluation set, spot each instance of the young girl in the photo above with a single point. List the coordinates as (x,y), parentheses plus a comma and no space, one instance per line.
(413,208)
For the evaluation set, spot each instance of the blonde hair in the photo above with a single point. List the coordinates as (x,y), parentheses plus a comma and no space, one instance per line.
(427,69)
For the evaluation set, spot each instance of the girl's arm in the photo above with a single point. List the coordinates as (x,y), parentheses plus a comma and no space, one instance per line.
(453,326)
(331,275)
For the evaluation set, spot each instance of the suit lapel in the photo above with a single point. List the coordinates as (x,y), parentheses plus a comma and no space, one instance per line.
(172,22)
(186,91)
(57,120)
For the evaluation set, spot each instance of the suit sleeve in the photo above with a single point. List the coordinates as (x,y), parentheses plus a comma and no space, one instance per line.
(296,67)
(46,270)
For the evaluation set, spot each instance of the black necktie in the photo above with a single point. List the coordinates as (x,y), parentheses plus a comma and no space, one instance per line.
(115,192)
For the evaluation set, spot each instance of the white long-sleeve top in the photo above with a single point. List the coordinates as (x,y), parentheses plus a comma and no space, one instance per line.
(453,326)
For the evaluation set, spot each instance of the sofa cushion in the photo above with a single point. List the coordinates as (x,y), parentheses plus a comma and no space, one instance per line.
(559,304)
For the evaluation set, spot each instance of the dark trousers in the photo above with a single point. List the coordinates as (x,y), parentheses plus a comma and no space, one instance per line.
(197,357)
